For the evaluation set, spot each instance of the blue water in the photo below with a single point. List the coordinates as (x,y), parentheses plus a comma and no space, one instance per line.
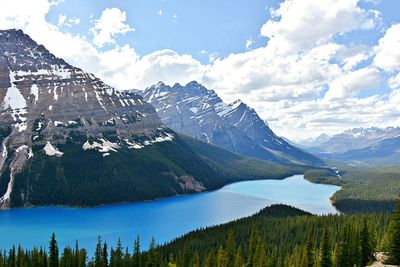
(164,219)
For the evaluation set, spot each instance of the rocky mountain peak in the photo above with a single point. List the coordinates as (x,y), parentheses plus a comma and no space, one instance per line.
(15,43)
(45,102)
(199,112)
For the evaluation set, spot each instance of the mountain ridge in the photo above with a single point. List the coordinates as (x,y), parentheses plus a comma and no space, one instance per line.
(194,110)
(67,138)
(362,146)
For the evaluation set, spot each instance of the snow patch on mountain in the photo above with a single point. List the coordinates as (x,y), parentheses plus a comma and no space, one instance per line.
(35,92)
(50,150)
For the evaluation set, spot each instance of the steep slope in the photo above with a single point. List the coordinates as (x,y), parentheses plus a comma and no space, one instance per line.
(191,110)
(198,112)
(247,120)
(68,138)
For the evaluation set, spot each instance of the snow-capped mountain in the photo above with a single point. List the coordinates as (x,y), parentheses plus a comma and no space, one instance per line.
(358,138)
(68,138)
(360,146)
(314,141)
(45,102)
(198,112)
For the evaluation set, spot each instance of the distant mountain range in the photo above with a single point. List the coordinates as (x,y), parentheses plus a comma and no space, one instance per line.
(67,138)
(198,112)
(362,145)
(312,142)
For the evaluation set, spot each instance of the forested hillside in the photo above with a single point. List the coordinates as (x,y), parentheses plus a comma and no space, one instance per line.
(276,236)
(363,189)
(85,178)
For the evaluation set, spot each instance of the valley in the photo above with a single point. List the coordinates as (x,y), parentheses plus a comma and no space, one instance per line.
(163,219)
(209,179)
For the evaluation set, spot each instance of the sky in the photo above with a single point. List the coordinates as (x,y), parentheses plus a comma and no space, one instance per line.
(307,67)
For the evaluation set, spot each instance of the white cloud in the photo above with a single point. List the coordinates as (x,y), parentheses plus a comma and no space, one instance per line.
(298,25)
(160,12)
(110,23)
(388,50)
(167,66)
(394,81)
(350,84)
(62,21)
(249,43)
(285,88)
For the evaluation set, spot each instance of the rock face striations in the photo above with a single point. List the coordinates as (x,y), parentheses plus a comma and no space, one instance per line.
(45,102)
(198,112)
(67,138)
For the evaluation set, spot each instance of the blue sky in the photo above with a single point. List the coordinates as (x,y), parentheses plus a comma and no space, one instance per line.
(307,67)
(194,27)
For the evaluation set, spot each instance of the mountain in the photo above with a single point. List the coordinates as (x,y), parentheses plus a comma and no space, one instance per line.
(362,145)
(67,138)
(358,138)
(200,113)
(386,152)
(313,142)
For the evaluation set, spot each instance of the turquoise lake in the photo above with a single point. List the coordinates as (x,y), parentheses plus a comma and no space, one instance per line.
(164,219)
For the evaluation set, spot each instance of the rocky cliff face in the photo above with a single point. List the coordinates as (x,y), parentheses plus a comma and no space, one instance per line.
(198,112)
(45,103)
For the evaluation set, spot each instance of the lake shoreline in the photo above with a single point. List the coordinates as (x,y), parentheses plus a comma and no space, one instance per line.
(165,219)
(141,201)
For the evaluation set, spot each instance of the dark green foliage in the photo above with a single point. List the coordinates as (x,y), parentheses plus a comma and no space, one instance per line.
(53,257)
(309,257)
(363,190)
(326,253)
(258,241)
(366,249)
(394,237)
(85,178)
(270,238)
(136,257)
(116,256)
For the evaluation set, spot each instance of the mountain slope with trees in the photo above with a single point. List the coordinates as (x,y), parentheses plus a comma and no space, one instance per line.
(278,236)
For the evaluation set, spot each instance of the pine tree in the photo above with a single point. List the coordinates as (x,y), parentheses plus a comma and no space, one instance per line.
(184,260)
(82,257)
(366,251)
(342,249)
(53,259)
(20,257)
(118,255)
(98,254)
(221,257)
(210,260)
(11,257)
(239,258)
(326,257)
(260,256)
(310,256)
(230,248)
(394,237)
(196,259)
(112,257)
(136,253)
(253,242)
(104,255)
(153,259)
(127,258)
(76,255)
